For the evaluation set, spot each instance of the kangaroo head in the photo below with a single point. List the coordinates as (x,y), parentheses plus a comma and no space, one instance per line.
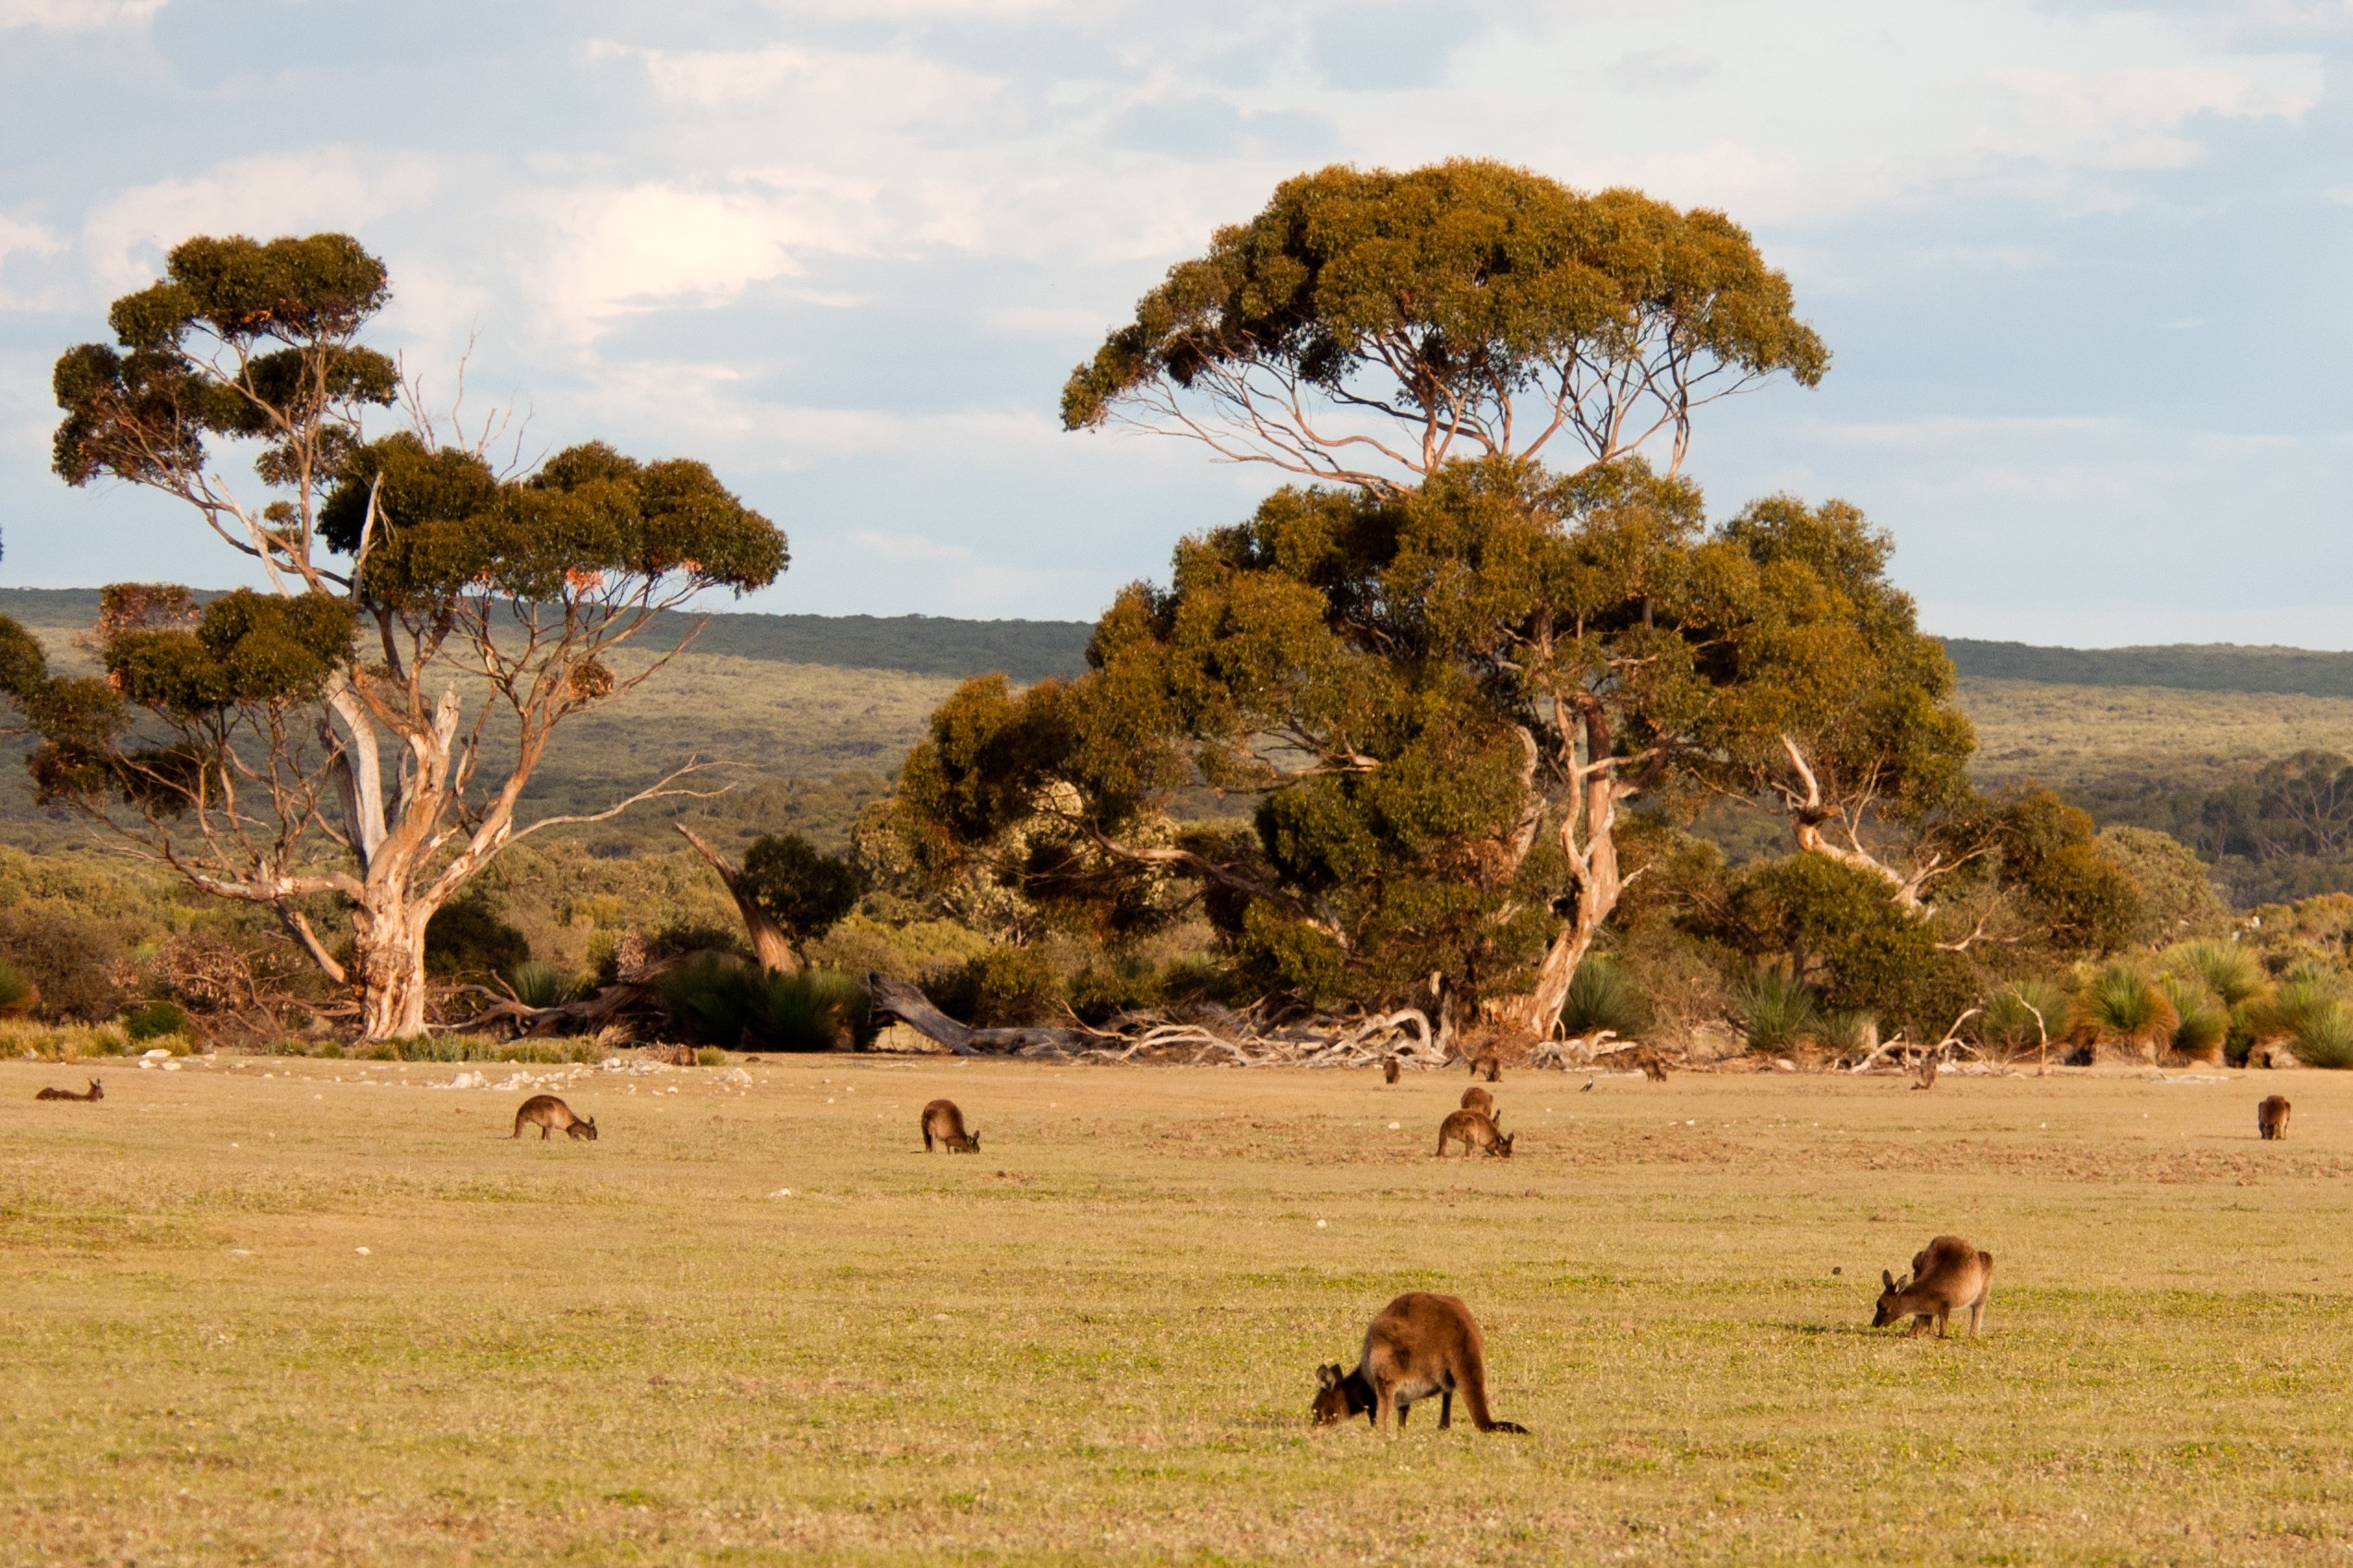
(974,1139)
(1335,1396)
(1887,1313)
(1503,1144)
(591,1129)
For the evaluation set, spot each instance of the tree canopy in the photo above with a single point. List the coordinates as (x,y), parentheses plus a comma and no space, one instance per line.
(1371,327)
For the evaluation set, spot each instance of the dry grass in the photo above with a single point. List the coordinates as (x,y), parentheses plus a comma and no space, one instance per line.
(1095,1341)
(2067,735)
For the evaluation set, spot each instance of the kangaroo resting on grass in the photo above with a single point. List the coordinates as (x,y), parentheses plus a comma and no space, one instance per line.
(1475,1130)
(1420,1344)
(944,1121)
(1946,1277)
(549,1115)
(97,1092)
(2271,1117)
(1478,1099)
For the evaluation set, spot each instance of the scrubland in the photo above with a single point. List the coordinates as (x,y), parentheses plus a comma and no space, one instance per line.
(303,1311)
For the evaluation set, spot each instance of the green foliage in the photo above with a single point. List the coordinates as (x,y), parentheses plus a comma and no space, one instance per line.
(2025,1014)
(72,959)
(1841,928)
(2078,901)
(1006,987)
(1441,297)
(1602,997)
(153,1021)
(2175,891)
(1776,1010)
(467,938)
(1846,1032)
(2123,1004)
(543,985)
(718,1000)
(18,996)
(804,891)
(2230,972)
(2202,1020)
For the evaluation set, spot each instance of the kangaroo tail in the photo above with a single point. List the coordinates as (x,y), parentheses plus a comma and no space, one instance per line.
(1472,1385)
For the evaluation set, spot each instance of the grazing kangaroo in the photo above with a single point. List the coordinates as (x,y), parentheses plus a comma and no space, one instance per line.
(2271,1117)
(1478,1099)
(1388,1070)
(1475,1129)
(1925,1077)
(98,1092)
(1946,1277)
(550,1115)
(1487,1063)
(944,1121)
(1420,1344)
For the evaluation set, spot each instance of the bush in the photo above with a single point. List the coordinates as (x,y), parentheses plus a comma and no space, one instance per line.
(2121,1004)
(1601,997)
(18,996)
(2023,1016)
(2201,1024)
(70,959)
(715,1000)
(1775,1010)
(2324,1036)
(1003,987)
(466,940)
(1847,1033)
(2232,973)
(543,985)
(1103,991)
(154,1020)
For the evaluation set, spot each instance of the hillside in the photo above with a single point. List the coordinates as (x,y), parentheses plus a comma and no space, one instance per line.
(807,715)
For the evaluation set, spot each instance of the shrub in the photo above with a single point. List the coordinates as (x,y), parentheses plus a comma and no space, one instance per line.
(1601,997)
(2201,1024)
(154,1020)
(466,939)
(1006,987)
(1776,1010)
(711,1056)
(70,959)
(1103,991)
(2232,973)
(2121,1004)
(2324,1036)
(2024,1015)
(543,985)
(1847,1033)
(18,996)
(715,1000)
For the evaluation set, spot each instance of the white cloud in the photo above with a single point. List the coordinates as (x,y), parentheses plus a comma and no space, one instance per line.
(2131,117)
(328,187)
(75,16)
(909,547)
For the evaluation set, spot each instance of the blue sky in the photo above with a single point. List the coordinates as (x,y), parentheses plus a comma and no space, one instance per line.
(2084,268)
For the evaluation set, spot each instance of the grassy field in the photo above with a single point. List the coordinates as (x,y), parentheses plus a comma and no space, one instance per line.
(316,1313)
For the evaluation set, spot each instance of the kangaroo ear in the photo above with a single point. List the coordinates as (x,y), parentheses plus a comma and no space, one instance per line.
(1887,1279)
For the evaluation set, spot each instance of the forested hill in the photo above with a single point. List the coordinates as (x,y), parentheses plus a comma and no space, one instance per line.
(927,645)
(2184,666)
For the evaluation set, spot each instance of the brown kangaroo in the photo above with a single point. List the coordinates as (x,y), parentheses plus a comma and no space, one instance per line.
(1478,1099)
(1420,1344)
(1488,1064)
(1475,1130)
(98,1092)
(1946,1277)
(1388,1070)
(944,1121)
(550,1115)
(2271,1117)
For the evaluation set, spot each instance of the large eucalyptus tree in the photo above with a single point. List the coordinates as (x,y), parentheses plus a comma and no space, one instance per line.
(366,724)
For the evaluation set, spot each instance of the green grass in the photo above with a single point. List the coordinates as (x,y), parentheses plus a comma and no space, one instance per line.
(1096,1341)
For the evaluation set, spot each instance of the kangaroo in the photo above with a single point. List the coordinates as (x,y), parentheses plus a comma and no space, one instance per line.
(1948,1276)
(98,1092)
(549,1115)
(1388,1070)
(1420,1344)
(944,1121)
(2271,1117)
(1475,1130)
(1487,1062)
(1924,1077)
(1478,1099)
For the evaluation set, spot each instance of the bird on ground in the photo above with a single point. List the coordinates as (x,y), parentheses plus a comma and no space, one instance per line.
(1589,1087)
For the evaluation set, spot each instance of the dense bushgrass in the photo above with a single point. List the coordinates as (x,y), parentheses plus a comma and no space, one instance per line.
(1095,1341)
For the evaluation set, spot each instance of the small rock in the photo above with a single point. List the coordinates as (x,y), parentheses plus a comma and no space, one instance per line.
(1783,1064)
(360,1250)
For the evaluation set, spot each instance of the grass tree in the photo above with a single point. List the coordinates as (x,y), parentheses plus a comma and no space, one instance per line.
(366,724)
(2121,1005)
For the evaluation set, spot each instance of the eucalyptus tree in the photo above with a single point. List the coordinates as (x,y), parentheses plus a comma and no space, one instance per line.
(1438,700)
(367,724)
(1368,327)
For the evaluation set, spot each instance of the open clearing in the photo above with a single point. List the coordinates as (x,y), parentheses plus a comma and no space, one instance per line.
(1096,1341)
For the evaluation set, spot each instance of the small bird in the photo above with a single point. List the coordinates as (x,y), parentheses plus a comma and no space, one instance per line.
(1589,1087)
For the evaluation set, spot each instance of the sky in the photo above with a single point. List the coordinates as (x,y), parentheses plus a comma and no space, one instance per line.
(2083,268)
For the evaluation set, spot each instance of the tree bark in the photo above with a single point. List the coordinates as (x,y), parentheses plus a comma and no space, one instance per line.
(769,943)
